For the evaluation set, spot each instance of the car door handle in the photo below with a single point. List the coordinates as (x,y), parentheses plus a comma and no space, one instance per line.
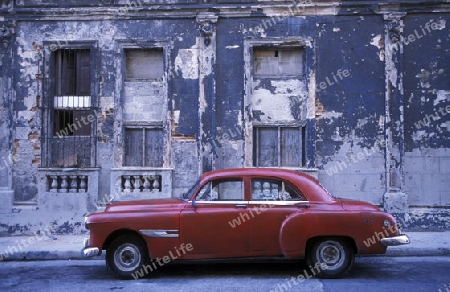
(241,206)
(303,205)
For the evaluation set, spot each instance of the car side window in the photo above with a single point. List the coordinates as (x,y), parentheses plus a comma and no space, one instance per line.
(222,190)
(274,190)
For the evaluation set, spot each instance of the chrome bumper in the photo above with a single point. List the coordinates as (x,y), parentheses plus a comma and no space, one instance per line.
(88,251)
(395,240)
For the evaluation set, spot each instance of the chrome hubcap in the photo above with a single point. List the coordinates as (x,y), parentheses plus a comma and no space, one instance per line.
(127,257)
(332,254)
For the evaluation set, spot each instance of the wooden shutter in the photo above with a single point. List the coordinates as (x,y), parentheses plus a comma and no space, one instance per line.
(133,147)
(291,147)
(154,147)
(83,73)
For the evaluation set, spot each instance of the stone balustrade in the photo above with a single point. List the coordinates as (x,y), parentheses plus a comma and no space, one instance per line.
(140,183)
(67,183)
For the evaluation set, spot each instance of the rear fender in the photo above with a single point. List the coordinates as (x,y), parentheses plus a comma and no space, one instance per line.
(294,233)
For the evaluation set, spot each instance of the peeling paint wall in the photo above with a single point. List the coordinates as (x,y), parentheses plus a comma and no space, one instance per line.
(427,120)
(373,98)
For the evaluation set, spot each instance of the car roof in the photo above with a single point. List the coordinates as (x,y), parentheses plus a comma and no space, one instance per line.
(257,171)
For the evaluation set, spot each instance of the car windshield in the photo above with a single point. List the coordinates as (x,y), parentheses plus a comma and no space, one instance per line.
(189,194)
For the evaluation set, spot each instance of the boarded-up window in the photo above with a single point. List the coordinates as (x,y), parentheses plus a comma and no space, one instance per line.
(144,64)
(143,147)
(278,146)
(272,62)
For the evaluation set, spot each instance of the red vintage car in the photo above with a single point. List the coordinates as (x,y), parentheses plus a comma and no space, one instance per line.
(237,213)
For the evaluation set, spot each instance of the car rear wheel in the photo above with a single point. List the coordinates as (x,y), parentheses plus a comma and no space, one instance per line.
(331,257)
(126,257)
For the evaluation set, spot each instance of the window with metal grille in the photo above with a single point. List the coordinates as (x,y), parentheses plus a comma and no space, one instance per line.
(143,147)
(70,121)
(277,62)
(278,146)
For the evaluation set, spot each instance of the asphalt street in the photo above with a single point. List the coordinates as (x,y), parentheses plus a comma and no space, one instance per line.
(368,274)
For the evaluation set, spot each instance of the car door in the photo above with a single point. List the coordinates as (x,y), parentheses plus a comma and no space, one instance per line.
(272,201)
(216,222)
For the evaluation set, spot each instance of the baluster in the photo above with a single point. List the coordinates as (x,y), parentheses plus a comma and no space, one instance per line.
(156,183)
(146,184)
(64,184)
(73,183)
(83,188)
(127,184)
(53,183)
(137,183)
(151,178)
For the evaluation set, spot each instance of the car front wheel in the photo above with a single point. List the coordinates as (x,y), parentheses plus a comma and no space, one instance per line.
(126,257)
(332,257)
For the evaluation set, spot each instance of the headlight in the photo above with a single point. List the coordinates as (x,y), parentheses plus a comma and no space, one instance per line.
(85,223)
(386,223)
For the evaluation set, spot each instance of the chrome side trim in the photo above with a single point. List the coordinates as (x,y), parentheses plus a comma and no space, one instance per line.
(278,203)
(268,202)
(395,240)
(160,233)
(219,202)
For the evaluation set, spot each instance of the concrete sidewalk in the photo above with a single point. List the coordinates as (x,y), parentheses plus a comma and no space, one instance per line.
(64,247)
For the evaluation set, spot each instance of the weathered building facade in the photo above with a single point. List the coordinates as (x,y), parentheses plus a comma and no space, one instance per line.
(121,99)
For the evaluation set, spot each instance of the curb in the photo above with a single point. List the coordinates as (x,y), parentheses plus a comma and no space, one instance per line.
(417,252)
(48,255)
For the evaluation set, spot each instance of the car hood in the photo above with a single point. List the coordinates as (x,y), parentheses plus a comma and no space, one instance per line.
(355,205)
(145,205)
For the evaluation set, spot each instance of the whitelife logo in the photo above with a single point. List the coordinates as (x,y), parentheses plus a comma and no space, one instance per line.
(244,216)
(147,269)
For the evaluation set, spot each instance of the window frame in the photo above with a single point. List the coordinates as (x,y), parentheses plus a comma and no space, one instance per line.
(278,49)
(250,119)
(255,146)
(49,106)
(122,45)
(143,79)
(143,128)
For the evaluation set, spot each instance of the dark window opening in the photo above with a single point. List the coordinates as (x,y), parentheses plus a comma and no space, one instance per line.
(72,72)
(72,123)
